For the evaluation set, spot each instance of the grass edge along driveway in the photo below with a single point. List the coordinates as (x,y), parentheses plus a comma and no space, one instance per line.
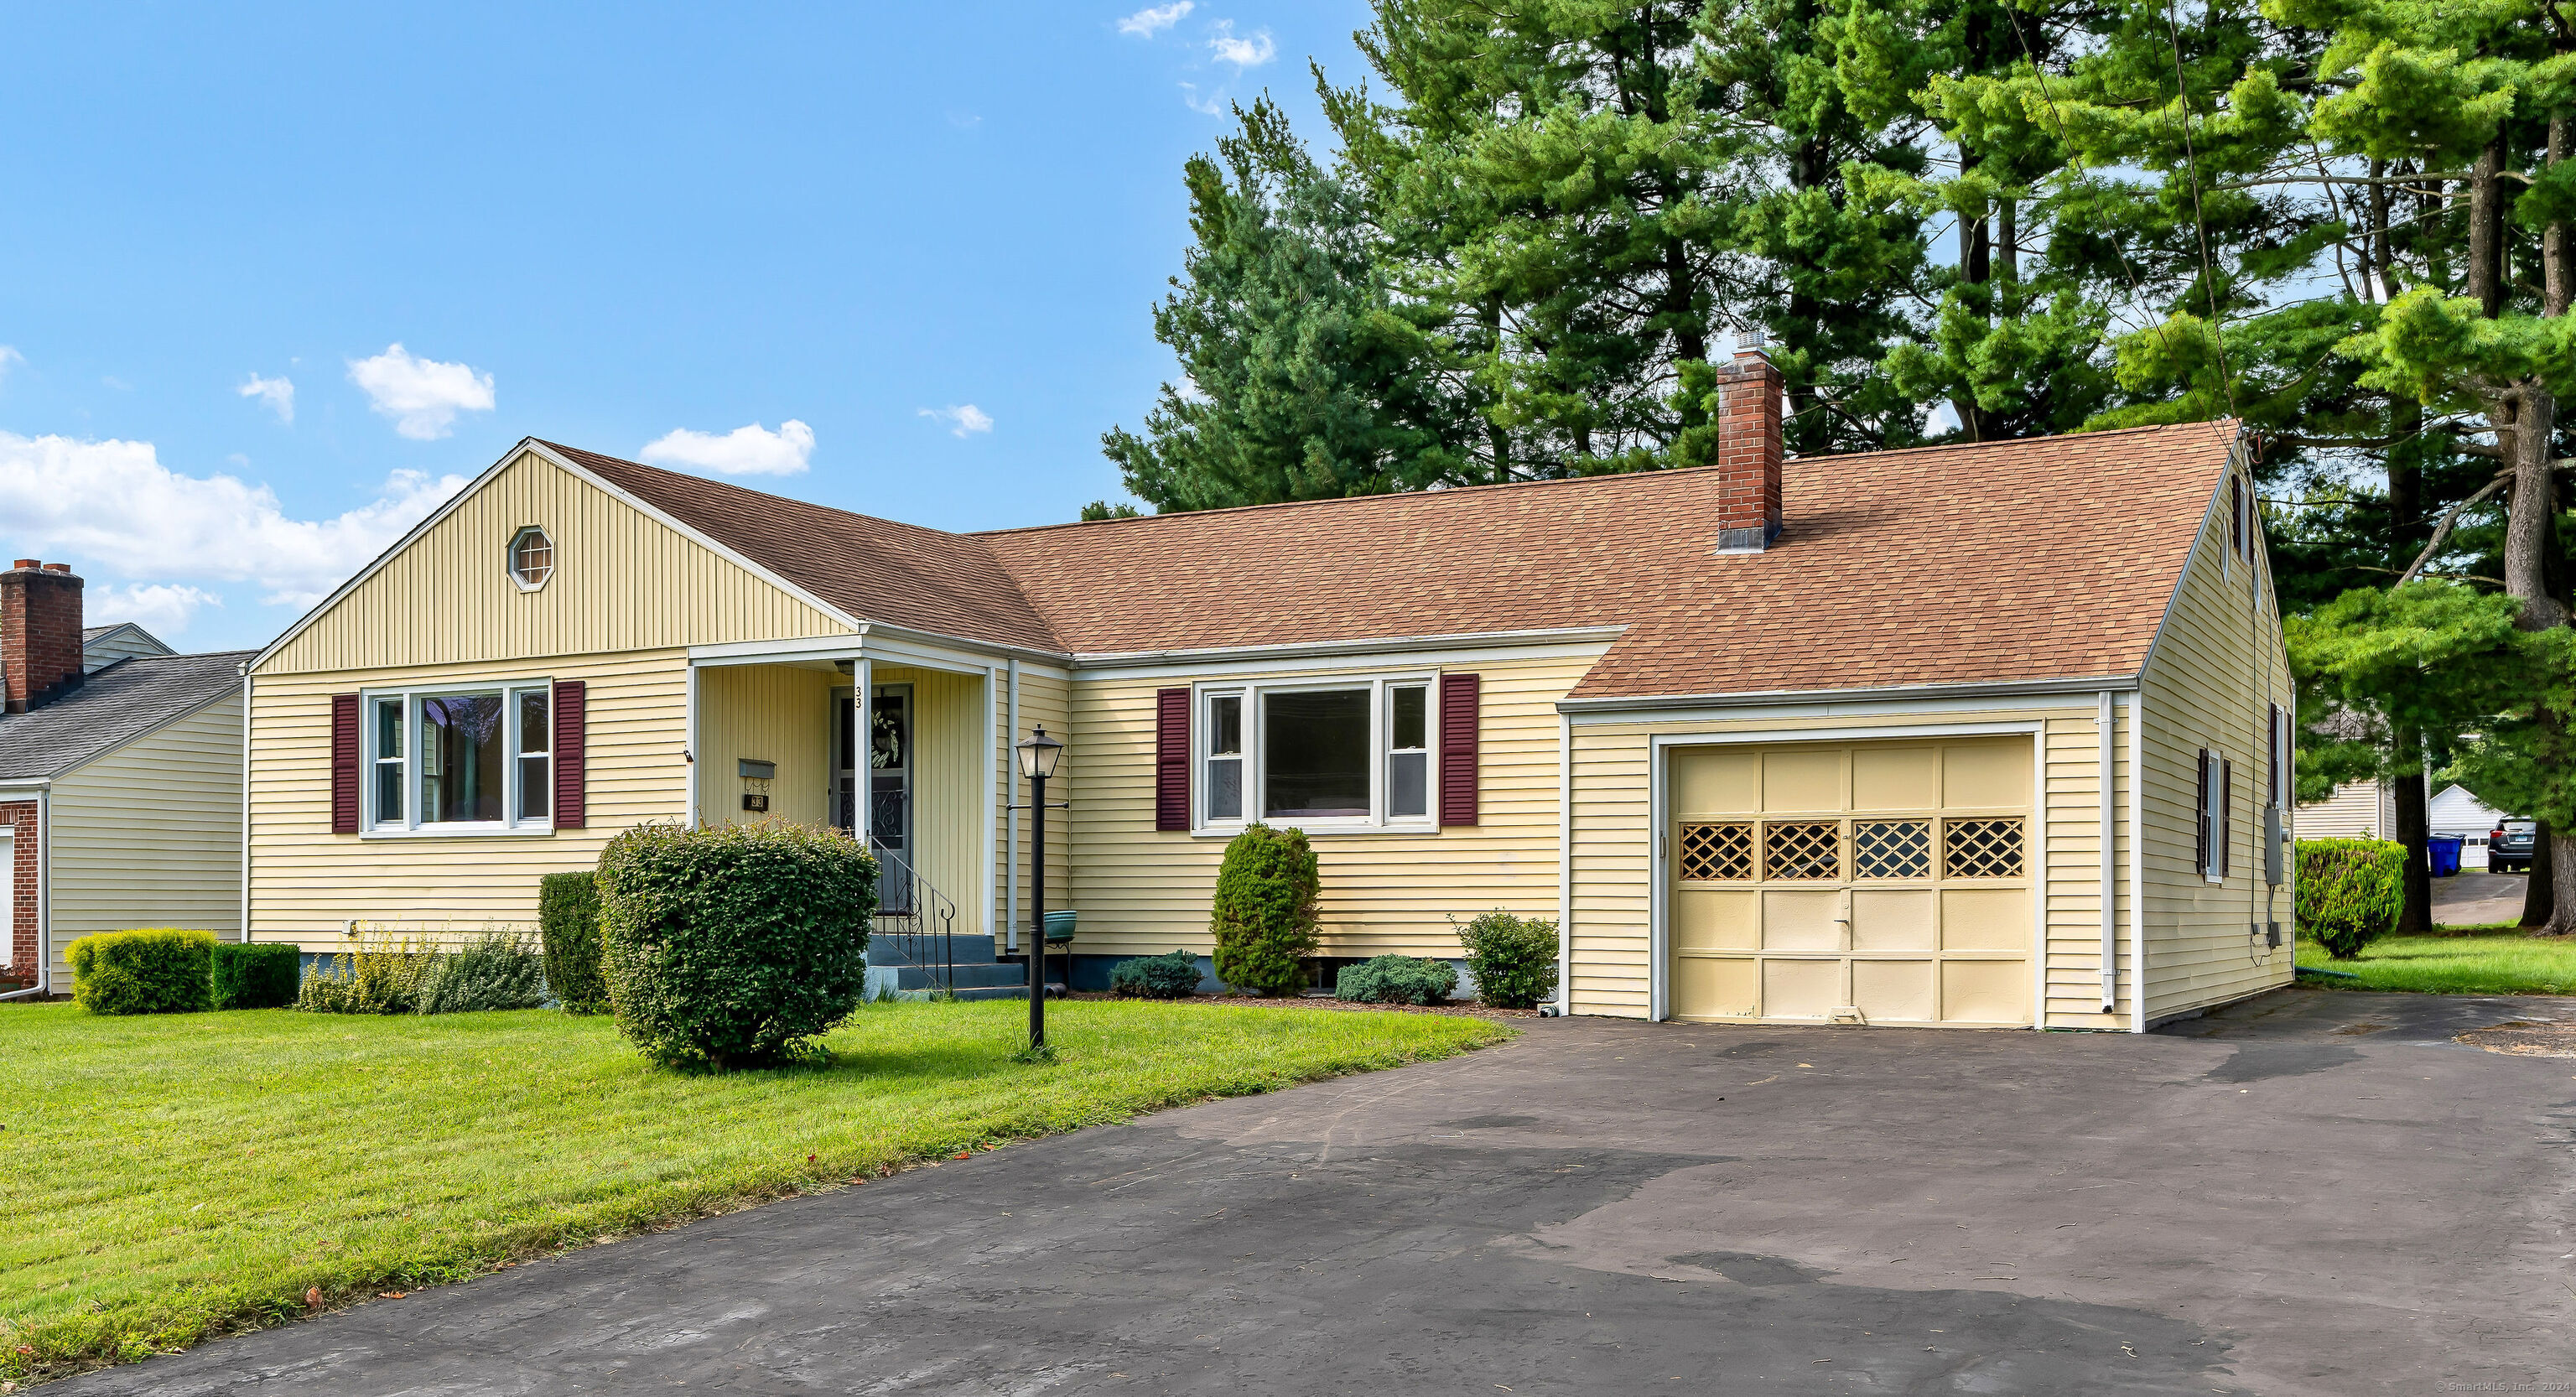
(2480,960)
(164,1180)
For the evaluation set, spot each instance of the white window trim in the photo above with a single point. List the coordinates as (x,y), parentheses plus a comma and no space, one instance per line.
(510,557)
(1256,760)
(412,826)
(2213,775)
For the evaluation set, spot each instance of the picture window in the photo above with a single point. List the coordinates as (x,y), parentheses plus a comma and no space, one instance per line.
(462,759)
(1354,754)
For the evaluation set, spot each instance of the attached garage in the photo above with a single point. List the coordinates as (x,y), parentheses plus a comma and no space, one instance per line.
(1863,882)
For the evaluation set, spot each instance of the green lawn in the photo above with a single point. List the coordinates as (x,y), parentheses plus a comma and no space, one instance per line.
(2504,962)
(166,1179)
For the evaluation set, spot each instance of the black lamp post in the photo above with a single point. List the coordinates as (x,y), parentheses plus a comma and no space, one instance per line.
(1037,763)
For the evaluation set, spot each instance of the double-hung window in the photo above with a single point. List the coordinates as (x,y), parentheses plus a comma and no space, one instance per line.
(465,759)
(1328,754)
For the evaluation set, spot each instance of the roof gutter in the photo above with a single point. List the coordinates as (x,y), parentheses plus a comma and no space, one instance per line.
(1769,698)
(1378,645)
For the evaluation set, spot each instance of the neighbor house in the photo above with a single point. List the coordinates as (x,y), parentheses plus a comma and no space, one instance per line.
(120,779)
(2368,810)
(1854,738)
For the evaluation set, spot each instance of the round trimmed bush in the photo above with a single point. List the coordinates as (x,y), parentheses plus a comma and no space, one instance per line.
(1396,980)
(733,945)
(1171,975)
(2350,892)
(256,974)
(1264,919)
(1513,959)
(154,970)
(568,924)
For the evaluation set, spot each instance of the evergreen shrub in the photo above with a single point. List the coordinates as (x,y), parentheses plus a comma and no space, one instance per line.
(1171,975)
(1264,918)
(153,970)
(733,945)
(2350,892)
(568,922)
(256,974)
(1396,980)
(1513,959)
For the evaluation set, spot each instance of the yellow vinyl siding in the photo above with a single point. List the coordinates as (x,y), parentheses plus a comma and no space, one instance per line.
(1143,891)
(623,582)
(770,713)
(2074,887)
(1047,698)
(305,881)
(150,833)
(2214,670)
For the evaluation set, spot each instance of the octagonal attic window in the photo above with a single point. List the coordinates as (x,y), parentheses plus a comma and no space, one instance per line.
(532,558)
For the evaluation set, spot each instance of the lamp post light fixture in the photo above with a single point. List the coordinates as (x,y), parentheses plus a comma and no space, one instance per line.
(1038,757)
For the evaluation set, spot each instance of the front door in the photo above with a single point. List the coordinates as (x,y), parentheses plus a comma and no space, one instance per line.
(890,822)
(1877,882)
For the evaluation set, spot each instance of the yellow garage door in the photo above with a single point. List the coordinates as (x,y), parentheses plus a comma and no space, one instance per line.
(1877,882)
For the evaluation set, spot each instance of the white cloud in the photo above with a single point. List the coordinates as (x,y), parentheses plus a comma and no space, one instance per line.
(1146,23)
(422,396)
(8,358)
(163,608)
(752,450)
(1212,105)
(1242,53)
(278,393)
(114,504)
(964,420)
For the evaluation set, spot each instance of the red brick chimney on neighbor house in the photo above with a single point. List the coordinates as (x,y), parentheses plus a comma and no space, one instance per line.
(1748,451)
(40,633)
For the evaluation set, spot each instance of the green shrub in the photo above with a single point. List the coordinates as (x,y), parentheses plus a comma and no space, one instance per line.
(1264,917)
(1172,975)
(382,974)
(733,944)
(256,974)
(1396,980)
(568,921)
(2350,892)
(499,969)
(156,970)
(1513,959)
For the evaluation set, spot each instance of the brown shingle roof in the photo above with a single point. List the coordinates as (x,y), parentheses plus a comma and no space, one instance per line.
(2026,560)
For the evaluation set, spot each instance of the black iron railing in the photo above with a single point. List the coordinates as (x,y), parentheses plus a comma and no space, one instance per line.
(919,920)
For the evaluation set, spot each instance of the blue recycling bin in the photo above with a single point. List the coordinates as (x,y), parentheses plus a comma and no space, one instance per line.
(2445,852)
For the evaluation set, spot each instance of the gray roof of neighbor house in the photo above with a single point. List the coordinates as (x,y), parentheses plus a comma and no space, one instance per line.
(117,705)
(2014,561)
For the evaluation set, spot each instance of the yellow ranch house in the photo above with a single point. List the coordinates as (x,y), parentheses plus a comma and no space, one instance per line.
(1979,736)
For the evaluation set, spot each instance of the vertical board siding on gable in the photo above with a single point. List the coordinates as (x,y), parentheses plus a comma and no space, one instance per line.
(1142,892)
(306,881)
(150,834)
(623,582)
(2208,686)
(1614,867)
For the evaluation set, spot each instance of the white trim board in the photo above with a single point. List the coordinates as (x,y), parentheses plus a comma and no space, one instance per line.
(1478,642)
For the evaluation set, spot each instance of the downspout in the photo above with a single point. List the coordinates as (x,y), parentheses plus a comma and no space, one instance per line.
(1564,865)
(1011,837)
(2106,720)
(2137,858)
(245,862)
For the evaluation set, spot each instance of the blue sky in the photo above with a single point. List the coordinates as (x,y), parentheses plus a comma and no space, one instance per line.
(930,236)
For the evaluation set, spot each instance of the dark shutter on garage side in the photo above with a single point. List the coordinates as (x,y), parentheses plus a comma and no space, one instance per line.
(2224,820)
(1172,759)
(572,727)
(1461,697)
(2200,816)
(344,764)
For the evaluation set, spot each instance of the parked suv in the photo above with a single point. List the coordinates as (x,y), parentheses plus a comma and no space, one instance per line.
(2509,846)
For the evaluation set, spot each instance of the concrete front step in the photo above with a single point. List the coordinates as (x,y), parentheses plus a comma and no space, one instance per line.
(886,948)
(962,976)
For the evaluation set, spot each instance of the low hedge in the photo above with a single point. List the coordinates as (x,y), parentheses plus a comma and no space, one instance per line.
(1171,975)
(568,923)
(732,945)
(1513,959)
(1396,980)
(256,974)
(155,970)
(2350,892)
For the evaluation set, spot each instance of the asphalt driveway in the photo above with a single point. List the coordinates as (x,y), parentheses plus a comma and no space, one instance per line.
(2315,1193)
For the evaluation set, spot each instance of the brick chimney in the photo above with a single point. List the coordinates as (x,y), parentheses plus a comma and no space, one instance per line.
(1748,451)
(40,633)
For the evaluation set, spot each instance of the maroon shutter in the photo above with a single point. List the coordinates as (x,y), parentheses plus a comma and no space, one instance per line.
(1171,759)
(571,798)
(2226,818)
(2200,817)
(1459,698)
(344,764)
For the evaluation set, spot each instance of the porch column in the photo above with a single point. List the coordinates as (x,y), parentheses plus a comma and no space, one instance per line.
(862,783)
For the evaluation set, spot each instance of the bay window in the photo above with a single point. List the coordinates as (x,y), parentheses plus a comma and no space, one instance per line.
(461,760)
(1319,755)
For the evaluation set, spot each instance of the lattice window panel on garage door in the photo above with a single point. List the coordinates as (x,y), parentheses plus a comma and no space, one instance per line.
(1717,853)
(1982,849)
(1892,849)
(1804,850)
